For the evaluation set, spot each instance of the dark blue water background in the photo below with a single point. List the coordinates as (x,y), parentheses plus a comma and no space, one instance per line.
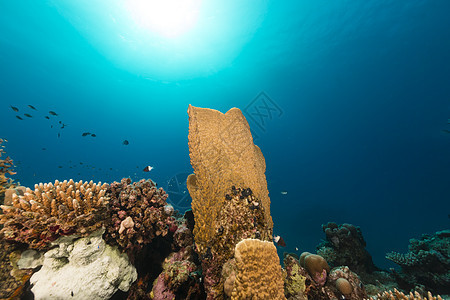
(362,91)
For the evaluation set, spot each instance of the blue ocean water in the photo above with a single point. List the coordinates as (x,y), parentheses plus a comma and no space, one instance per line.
(347,100)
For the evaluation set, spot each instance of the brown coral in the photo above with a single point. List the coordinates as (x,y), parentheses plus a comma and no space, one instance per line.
(258,271)
(138,214)
(52,210)
(223,155)
(316,266)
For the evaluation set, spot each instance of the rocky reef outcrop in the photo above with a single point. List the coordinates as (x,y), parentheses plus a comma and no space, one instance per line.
(427,263)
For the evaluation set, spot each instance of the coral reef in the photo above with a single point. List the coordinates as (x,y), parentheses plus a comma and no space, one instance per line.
(316,266)
(397,295)
(427,263)
(5,169)
(344,284)
(180,278)
(345,246)
(222,155)
(12,279)
(340,282)
(242,216)
(84,268)
(296,278)
(258,271)
(53,210)
(139,213)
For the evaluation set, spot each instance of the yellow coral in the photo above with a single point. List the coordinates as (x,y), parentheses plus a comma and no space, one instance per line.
(258,273)
(223,155)
(397,295)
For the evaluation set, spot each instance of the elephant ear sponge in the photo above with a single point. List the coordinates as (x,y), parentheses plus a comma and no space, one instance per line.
(258,273)
(222,155)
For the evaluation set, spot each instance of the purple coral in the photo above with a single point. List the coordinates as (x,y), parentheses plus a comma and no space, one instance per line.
(139,214)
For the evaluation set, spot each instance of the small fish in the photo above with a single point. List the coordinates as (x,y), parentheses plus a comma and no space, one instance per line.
(148,169)
(59,135)
(52,113)
(28,115)
(279,241)
(59,122)
(14,108)
(47,117)
(93,135)
(125,142)
(85,133)
(19,118)
(32,107)
(63,125)
(446,131)
(44,149)
(296,248)
(60,167)
(283,192)
(51,126)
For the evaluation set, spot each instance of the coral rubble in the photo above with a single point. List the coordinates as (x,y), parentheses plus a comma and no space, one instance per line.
(427,263)
(49,211)
(345,246)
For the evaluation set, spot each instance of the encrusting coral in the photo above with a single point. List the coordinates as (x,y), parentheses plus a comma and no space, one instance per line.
(222,155)
(5,169)
(138,214)
(258,271)
(49,211)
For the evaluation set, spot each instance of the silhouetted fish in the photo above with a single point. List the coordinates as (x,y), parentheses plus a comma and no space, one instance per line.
(44,149)
(85,133)
(63,125)
(59,122)
(47,117)
(14,108)
(52,113)
(126,142)
(32,107)
(60,167)
(446,131)
(19,118)
(59,135)
(28,115)
(93,135)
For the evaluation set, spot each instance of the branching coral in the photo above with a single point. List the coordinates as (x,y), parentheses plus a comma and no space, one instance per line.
(5,169)
(138,214)
(53,210)
(397,295)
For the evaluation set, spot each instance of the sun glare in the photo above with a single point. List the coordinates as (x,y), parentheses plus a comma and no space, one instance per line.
(169,18)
